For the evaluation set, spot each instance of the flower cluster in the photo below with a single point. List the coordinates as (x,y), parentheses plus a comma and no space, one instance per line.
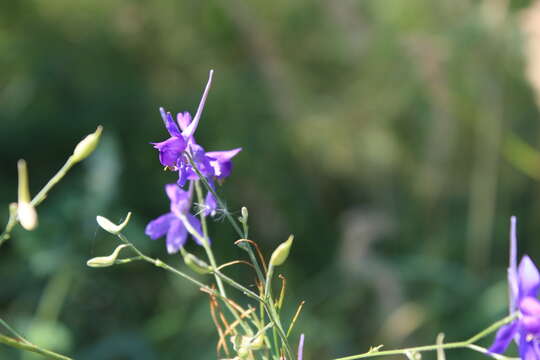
(181,153)
(523,283)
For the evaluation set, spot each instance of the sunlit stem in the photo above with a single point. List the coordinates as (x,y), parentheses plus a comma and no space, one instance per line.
(21,343)
(218,199)
(469,343)
(27,346)
(229,217)
(225,278)
(269,306)
(38,199)
(165,266)
(205,242)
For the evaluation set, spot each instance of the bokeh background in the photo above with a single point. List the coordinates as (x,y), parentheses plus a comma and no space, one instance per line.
(394,138)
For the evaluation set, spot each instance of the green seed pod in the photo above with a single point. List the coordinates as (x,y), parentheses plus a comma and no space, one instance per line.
(105,261)
(196,264)
(111,227)
(87,145)
(282,252)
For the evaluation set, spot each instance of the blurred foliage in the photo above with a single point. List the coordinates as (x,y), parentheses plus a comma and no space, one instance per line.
(393,138)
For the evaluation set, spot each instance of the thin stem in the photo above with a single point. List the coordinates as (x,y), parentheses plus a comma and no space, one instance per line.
(23,344)
(205,242)
(161,264)
(229,217)
(230,281)
(12,221)
(38,199)
(42,194)
(453,345)
(268,298)
(11,330)
(220,202)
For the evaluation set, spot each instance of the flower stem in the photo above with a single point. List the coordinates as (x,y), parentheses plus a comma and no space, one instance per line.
(205,238)
(27,346)
(20,342)
(453,345)
(165,266)
(38,199)
(220,202)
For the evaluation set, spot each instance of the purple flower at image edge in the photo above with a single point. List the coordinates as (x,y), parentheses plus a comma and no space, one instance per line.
(523,283)
(301,347)
(171,223)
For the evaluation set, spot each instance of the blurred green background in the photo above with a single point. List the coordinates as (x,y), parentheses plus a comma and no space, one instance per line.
(394,138)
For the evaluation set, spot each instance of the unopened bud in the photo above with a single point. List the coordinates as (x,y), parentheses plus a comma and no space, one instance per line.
(197,264)
(282,252)
(104,261)
(25,210)
(27,215)
(86,146)
(245,214)
(256,342)
(111,227)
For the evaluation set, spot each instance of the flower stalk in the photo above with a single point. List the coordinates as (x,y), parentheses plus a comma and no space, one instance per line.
(469,343)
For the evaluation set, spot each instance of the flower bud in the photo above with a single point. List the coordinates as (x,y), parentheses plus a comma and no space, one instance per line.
(104,261)
(245,214)
(87,145)
(25,210)
(282,252)
(27,215)
(196,264)
(111,227)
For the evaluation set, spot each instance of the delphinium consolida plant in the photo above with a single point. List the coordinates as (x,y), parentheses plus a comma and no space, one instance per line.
(257,330)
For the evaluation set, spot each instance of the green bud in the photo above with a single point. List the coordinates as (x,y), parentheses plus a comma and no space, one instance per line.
(196,264)
(282,252)
(243,345)
(87,145)
(111,227)
(105,261)
(256,342)
(245,214)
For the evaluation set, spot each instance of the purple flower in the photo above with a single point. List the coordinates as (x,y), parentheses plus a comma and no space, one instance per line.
(171,150)
(301,347)
(221,162)
(172,223)
(523,283)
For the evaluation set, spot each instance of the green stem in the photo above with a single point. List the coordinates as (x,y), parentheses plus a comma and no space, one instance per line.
(23,344)
(161,264)
(38,199)
(42,194)
(230,281)
(205,238)
(248,247)
(10,329)
(453,345)
(218,199)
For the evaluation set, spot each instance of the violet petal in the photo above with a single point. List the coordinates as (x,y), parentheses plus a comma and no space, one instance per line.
(159,226)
